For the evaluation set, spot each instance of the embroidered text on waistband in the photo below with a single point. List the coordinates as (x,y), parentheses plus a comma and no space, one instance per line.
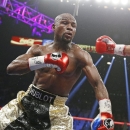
(41,95)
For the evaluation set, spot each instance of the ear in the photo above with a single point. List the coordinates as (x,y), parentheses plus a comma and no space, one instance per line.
(53,26)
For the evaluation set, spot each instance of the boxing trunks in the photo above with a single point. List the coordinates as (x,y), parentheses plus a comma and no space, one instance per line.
(36,109)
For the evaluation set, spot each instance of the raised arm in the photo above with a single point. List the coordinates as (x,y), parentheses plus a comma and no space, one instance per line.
(105,44)
(101,94)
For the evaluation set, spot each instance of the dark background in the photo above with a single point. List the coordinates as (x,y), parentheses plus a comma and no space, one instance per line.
(93,21)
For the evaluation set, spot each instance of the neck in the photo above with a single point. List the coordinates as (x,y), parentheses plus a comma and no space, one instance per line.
(62,46)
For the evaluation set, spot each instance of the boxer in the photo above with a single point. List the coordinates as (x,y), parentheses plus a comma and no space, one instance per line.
(57,67)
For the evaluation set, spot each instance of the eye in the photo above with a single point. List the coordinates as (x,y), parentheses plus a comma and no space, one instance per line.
(64,22)
(74,25)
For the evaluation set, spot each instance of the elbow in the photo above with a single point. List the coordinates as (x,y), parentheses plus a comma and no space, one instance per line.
(9,69)
(15,70)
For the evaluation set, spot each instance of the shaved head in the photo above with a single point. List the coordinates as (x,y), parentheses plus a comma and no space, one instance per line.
(64,16)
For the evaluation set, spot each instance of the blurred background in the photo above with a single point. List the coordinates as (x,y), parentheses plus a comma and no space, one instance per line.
(94,18)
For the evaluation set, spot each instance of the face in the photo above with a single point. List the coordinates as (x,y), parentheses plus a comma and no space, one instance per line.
(64,28)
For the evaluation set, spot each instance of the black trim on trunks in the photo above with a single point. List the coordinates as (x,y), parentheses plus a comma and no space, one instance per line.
(41,95)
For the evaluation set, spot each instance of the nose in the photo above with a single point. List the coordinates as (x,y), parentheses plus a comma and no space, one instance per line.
(69,27)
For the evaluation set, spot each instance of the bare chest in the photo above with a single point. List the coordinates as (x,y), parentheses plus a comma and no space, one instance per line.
(72,67)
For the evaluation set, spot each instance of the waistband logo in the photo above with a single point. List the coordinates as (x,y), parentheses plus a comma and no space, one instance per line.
(41,95)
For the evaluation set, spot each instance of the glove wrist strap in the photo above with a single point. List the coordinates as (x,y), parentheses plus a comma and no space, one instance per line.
(119,49)
(38,63)
(105,106)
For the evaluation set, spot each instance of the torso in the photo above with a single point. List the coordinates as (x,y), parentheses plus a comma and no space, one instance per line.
(59,84)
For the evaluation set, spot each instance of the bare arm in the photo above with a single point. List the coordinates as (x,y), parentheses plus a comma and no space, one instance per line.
(94,78)
(105,110)
(127,50)
(20,66)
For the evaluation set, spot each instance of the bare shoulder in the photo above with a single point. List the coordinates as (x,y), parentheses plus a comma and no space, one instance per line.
(80,52)
(83,56)
(35,50)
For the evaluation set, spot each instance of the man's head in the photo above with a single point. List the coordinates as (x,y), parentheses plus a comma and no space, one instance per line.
(64,28)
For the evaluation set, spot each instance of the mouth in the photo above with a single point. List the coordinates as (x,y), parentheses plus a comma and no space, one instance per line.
(69,35)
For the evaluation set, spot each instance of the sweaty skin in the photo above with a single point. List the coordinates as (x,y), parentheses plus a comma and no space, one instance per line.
(79,60)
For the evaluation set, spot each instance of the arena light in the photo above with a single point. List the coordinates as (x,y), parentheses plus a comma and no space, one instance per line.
(115,1)
(124,2)
(107,1)
(99,0)
(108,71)
(105,7)
(102,56)
(108,63)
